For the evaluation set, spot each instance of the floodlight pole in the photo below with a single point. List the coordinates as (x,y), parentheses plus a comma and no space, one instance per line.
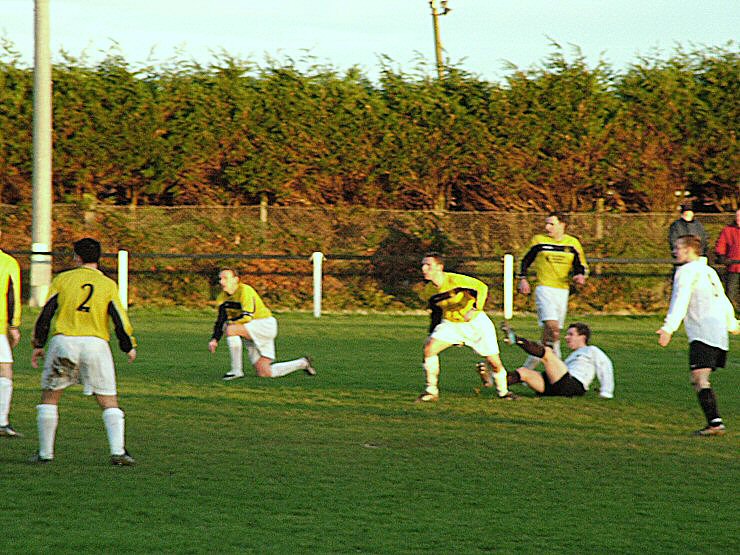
(437,11)
(41,226)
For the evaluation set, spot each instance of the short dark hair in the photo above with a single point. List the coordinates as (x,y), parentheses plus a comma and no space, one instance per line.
(87,249)
(582,329)
(437,257)
(691,241)
(561,216)
(232,270)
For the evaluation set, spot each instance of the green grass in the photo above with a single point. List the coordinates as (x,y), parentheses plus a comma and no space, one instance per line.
(346,462)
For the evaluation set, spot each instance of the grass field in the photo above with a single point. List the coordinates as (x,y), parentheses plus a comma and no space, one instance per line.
(346,462)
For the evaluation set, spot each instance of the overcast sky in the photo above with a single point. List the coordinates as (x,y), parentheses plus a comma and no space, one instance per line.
(479,35)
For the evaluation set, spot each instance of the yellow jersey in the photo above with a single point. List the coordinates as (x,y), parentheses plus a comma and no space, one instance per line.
(242,306)
(456,297)
(83,299)
(553,260)
(10,293)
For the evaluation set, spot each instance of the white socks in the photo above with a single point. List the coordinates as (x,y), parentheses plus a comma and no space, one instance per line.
(431,370)
(280,369)
(235,350)
(114,427)
(499,379)
(6,393)
(47,419)
(556,349)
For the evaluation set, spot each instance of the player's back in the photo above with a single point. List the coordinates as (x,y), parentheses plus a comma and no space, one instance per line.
(84,299)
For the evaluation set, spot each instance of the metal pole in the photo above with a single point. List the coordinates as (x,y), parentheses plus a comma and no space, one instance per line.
(123,278)
(437,40)
(41,227)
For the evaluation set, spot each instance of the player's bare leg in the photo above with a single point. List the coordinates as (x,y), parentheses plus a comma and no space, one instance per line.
(551,336)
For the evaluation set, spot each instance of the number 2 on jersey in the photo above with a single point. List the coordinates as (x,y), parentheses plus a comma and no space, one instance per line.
(83,306)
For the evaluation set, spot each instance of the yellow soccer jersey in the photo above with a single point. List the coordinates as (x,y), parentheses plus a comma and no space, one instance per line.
(553,260)
(83,299)
(457,296)
(10,293)
(243,306)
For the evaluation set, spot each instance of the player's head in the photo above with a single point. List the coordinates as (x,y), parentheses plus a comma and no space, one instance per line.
(555,224)
(577,335)
(228,278)
(88,250)
(432,263)
(687,248)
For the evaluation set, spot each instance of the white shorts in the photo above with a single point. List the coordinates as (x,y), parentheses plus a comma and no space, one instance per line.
(6,353)
(552,304)
(479,334)
(263,332)
(86,360)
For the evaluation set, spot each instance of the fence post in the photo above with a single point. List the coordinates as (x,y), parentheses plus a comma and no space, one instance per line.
(508,286)
(123,278)
(317,258)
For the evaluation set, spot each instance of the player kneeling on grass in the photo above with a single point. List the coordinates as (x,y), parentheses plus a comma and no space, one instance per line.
(457,303)
(243,317)
(83,299)
(699,301)
(568,378)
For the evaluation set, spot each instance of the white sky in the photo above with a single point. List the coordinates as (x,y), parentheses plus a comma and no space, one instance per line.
(480,35)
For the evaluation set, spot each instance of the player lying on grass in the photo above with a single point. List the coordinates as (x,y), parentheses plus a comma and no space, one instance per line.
(244,318)
(457,303)
(565,378)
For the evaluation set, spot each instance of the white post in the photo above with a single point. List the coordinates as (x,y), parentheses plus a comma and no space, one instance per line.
(40,277)
(123,278)
(317,258)
(508,286)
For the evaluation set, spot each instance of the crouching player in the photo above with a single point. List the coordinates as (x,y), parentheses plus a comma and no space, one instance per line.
(243,317)
(457,303)
(565,378)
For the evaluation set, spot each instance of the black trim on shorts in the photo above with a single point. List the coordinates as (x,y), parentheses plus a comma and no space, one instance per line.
(702,355)
(567,386)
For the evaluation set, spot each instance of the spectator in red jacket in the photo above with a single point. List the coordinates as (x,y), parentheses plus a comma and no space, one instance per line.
(728,248)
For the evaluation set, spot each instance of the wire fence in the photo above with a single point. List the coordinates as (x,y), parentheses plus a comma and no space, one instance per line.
(372,257)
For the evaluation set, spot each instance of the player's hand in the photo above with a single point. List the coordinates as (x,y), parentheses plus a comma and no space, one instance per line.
(524,287)
(212,344)
(131,355)
(37,354)
(664,337)
(14,337)
(580,279)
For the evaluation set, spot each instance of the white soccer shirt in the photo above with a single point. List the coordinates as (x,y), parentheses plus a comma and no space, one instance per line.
(588,362)
(699,300)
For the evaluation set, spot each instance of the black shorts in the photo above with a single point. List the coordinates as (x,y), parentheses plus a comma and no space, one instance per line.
(702,355)
(567,386)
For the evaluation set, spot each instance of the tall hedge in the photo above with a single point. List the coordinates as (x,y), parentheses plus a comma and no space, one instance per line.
(556,136)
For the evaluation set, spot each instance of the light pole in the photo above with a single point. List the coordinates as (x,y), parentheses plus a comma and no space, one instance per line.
(41,226)
(439,7)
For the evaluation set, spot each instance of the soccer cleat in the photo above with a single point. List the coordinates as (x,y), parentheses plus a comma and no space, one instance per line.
(427,397)
(508,396)
(485,375)
(229,376)
(509,335)
(8,431)
(717,430)
(309,369)
(38,459)
(122,460)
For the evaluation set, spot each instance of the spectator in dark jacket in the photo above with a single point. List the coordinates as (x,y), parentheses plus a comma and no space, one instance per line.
(687,225)
(728,250)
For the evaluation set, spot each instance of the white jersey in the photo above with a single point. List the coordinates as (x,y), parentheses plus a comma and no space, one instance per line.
(699,300)
(588,362)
